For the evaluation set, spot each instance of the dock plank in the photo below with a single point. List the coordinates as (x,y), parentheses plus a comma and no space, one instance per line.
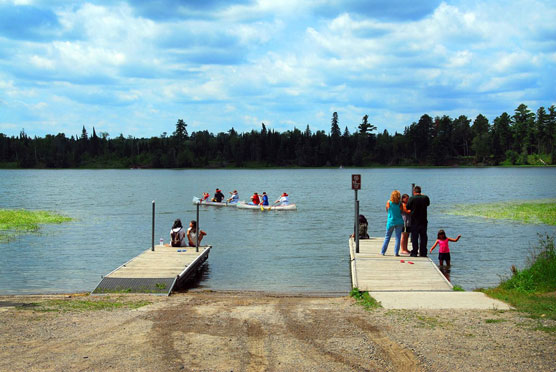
(140,274)
(372,271)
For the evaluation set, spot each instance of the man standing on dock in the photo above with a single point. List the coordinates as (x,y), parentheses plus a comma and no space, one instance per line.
(418,204)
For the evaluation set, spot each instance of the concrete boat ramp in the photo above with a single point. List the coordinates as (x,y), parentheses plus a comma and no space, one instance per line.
(156,271)
(408,282)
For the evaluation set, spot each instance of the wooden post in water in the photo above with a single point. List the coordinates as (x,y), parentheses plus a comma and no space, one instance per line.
(152,242)
(197,232)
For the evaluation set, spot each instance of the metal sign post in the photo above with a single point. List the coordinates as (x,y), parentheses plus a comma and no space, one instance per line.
(152,243)
(356,185)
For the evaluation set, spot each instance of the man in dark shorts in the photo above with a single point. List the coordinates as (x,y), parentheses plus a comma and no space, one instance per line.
(418,204)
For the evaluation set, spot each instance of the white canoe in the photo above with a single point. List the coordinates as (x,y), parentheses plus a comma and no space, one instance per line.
(196,201)
(289,207)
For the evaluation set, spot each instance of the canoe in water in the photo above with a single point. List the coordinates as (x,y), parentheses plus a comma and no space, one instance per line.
(196,201)
(289,207)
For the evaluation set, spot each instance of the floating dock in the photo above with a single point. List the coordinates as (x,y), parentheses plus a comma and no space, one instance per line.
(371,271)
(157,272)
(405,282)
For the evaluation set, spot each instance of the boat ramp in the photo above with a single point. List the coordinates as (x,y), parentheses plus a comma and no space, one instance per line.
(402,282)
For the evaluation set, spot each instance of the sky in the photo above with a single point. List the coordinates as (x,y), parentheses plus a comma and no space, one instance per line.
(136,67)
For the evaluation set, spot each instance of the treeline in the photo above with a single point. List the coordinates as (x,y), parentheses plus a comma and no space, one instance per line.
(522,138)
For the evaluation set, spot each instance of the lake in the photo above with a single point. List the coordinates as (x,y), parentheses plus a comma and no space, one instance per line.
(289,251)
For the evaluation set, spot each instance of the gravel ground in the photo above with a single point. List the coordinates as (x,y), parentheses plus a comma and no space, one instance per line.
(243,331)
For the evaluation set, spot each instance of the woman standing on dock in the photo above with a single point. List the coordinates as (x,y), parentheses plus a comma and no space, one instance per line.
(394,222)
(406,228)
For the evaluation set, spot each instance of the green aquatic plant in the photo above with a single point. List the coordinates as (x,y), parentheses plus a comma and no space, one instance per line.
(533,289)
(17,221)
(533,211)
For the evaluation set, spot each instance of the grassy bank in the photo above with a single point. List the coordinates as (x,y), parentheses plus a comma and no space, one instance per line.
(536,211)
(16,221)
(533,289)
(88,304)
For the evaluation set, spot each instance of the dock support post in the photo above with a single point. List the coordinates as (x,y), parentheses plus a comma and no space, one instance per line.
(152,242)
(197,232)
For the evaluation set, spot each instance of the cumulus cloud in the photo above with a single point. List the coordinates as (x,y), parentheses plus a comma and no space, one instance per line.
(218,64)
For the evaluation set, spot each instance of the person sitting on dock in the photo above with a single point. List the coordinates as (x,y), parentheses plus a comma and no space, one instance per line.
(218,196)
(192,234)
(255,199)
(283,200)
(363,228)
(234,198)
(265,199)
(177,234)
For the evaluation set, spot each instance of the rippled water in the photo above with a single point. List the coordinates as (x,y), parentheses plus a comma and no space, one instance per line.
(302,251)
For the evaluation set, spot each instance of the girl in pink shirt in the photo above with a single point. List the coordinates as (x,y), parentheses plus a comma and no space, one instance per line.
(443,250)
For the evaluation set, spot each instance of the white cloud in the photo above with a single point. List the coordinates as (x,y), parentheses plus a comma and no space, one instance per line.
(290,62)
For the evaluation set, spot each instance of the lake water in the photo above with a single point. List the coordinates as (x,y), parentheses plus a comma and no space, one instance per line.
(301,251)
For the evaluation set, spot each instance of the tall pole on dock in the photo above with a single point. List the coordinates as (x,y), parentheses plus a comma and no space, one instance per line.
(197,228)
(152,242)
(356,185)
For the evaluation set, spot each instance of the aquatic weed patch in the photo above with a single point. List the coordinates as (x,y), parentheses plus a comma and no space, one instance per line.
(534,211)
(16,221)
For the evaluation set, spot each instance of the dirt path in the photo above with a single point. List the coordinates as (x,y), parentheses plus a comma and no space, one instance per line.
(220,331)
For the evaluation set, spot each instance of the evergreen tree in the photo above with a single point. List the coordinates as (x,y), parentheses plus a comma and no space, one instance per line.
(522,123)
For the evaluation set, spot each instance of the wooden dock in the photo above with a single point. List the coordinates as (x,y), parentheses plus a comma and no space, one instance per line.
(156,272)
(371,271)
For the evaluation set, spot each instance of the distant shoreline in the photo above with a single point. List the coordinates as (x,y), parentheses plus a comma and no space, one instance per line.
(3,166)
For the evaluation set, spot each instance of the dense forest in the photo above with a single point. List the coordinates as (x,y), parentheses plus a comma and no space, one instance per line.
(520,139)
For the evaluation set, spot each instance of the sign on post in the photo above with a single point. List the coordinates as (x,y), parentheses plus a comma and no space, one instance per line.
(356,182)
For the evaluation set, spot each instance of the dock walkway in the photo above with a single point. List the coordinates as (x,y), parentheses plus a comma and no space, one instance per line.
(408,282)
(157,271)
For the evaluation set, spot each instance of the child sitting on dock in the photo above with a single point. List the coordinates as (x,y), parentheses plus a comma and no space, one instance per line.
(177,234)
(444,250)
(192,234)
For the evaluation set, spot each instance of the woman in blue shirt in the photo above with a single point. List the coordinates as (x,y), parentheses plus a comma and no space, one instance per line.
(394,223)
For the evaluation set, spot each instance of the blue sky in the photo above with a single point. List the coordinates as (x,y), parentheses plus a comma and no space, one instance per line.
(136,67)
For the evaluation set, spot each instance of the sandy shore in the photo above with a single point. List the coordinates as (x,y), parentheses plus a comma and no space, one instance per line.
(231,331)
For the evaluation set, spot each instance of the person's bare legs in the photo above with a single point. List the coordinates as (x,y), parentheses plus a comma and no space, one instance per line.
(405,240)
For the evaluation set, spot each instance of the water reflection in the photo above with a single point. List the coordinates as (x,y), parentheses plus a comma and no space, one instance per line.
(445,270)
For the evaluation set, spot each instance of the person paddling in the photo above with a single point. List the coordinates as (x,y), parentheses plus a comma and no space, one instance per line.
(218,196)
(234,198)
(255,199)
(283,200)
(265,199)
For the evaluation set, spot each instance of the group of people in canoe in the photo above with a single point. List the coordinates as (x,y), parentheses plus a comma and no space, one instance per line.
(256,198)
